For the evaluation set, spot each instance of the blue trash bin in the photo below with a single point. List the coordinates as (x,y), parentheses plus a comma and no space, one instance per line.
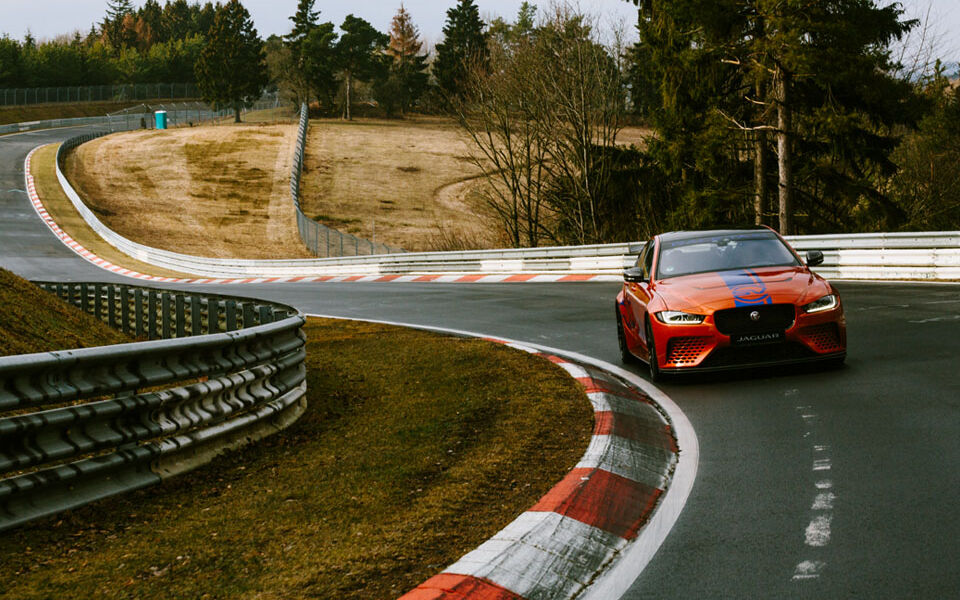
(161,118)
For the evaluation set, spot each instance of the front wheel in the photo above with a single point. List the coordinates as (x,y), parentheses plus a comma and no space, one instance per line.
(652,361)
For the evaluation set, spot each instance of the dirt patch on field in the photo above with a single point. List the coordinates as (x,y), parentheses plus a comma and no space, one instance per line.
(207,191)
(411,181)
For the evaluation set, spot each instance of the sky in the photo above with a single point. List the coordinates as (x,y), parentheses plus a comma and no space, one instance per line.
(48,18)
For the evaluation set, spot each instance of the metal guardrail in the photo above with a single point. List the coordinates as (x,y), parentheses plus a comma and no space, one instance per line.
(80,425)
(319,239)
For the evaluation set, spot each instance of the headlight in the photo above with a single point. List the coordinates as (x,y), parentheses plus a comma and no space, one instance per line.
(675,317)
(828,302)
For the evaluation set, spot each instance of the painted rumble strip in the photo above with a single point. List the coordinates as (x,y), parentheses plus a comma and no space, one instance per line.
(558,546)
(416,278)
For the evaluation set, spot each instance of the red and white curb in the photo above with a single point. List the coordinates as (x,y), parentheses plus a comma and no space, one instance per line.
(417,278)
(594,532)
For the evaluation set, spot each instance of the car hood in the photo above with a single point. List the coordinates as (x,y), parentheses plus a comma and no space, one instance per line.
(708,292)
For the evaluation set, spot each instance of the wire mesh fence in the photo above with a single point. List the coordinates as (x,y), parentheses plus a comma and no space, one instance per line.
(97,93)
(179,114)
(323,241)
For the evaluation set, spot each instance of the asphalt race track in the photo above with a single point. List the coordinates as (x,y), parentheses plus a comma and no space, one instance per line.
(811,483)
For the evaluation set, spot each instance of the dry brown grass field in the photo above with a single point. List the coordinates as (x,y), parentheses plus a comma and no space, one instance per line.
(411,180)
(209,191)
(222,191)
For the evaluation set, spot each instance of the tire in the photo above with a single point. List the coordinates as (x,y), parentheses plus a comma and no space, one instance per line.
(655,374)
(625,356)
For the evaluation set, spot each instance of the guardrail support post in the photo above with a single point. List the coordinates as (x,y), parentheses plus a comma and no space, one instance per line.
(231,310)
(213,316)
(196,315)
(166,325)
(152,332)
(139,314)
(248,314)
(112,306)
(181,316)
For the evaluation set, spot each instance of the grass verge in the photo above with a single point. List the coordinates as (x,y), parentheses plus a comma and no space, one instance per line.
(414,449)
(43,168)
(35,321)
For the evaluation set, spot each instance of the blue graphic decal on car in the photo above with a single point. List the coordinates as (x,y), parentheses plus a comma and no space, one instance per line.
(747,288)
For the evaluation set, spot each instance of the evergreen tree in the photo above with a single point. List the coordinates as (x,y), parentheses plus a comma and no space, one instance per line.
(178,20)
(321,62)
(407,78)
(729,83)
(231,70)
(11,63)
(464,43)
(359,51)
(304,21)
(150,29)
(113,23)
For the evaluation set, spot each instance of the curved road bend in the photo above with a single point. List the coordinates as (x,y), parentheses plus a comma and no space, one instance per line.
(811,484)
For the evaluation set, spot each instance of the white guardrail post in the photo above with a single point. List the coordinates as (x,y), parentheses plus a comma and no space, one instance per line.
(79,425)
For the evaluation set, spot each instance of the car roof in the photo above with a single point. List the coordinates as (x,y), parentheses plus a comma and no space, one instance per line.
(686,235)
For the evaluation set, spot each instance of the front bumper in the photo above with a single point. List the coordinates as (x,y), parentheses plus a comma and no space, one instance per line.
(702,347)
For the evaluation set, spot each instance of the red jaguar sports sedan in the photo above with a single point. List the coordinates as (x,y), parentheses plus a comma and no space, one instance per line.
(712,300)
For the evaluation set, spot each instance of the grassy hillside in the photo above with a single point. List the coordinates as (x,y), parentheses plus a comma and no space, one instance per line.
(36,321)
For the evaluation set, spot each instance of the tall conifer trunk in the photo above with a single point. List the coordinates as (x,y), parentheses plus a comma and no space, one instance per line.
(784,156)
(759,176)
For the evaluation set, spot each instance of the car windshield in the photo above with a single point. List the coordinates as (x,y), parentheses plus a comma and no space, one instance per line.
(723,253)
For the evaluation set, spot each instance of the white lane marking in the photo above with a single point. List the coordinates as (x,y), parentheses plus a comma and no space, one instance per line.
(820,447)
(821,464)
(943,302)
(937,319)
(614,581)
(824,484)
(808,569)
(823,501)
(818,531)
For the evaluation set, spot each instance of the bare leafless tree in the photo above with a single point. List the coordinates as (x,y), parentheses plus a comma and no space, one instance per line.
(543,115)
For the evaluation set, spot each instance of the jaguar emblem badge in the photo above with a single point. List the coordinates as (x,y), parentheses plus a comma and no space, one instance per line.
(754,316)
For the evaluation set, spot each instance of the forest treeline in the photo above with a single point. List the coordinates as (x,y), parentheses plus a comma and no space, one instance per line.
(798,114)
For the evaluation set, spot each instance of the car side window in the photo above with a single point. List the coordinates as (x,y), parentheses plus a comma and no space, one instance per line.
(648,261)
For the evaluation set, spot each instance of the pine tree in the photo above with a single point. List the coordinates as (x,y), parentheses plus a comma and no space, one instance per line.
(321,62)
(113,23)
(408,77)
(464,43)
(304,22)
(359,53)
(231,71)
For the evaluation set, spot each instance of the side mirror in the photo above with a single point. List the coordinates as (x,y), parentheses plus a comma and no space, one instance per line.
(814,258)
(633,274)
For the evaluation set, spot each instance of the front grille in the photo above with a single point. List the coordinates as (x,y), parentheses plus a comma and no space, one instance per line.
(756,355)
(772,317)
(686,350)
(823,337)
